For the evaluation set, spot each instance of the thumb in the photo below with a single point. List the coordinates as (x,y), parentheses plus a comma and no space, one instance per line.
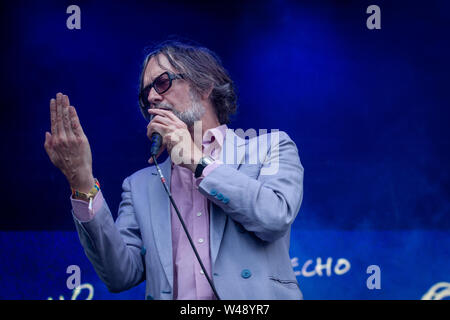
(48,137)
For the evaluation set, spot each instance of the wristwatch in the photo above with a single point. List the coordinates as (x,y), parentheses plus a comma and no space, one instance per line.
(204,161)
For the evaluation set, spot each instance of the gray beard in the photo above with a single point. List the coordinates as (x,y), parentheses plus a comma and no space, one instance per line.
(190,116)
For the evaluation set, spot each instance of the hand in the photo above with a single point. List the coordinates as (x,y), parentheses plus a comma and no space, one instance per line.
(176,138)
(67,146)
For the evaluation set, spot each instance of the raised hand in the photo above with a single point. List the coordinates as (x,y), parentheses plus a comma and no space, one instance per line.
(67,146)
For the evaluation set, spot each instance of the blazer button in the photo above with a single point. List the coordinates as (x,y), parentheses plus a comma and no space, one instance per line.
(225,200)
(149,297)
(213,192)
(219,196)
(246,274)
(143,251)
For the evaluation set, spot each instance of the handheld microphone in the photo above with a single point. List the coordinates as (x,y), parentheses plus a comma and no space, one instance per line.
(156,142)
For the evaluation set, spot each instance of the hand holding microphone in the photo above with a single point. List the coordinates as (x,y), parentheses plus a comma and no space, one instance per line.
(166,130)
(156,140)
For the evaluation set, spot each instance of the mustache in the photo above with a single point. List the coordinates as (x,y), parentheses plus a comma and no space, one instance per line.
(162,106)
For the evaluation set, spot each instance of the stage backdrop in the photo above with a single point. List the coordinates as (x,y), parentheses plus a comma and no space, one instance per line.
(367,108)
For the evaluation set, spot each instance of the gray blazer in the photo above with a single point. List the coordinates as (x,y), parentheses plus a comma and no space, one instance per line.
(253,202)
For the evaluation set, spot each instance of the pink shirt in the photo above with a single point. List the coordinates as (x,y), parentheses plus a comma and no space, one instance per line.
(189,281)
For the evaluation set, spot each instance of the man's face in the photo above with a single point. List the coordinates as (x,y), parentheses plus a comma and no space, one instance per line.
(181,99)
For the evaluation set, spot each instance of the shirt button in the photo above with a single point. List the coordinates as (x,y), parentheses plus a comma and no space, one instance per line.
(246,274)
(201,240)
(199,214)
(201,272)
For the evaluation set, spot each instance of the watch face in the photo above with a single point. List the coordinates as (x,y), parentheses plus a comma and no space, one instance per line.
(207,160)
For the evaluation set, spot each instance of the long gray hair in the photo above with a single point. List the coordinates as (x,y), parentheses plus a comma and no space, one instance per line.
(203,69)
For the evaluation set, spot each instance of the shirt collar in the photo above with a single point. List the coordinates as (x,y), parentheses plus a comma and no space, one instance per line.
(215,134)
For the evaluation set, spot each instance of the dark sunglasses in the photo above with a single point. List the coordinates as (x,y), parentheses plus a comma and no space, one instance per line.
(161,84)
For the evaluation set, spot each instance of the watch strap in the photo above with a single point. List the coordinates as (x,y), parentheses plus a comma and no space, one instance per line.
(204,161)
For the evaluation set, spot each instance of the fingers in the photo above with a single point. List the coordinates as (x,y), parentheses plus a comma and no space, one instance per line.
(167,124)
(59,116)
(156,127)
(47,142)
(75,122)
(151,125)
(66,119)
(165,113)
(66,100)
(160,120)
(164,123)
(53,116)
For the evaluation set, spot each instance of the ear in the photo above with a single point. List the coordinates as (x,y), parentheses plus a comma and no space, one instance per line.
(207,93)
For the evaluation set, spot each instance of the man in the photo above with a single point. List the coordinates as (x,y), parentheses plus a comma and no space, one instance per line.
(238,211)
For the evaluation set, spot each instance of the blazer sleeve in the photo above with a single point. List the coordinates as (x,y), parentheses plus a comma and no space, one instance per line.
(114,248)
(265,204)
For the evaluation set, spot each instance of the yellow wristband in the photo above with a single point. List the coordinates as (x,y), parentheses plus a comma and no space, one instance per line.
(87,196)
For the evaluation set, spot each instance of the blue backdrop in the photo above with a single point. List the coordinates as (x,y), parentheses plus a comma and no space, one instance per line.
(368,110)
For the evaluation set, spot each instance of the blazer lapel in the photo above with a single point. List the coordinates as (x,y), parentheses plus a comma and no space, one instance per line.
(232,154)
(160,217)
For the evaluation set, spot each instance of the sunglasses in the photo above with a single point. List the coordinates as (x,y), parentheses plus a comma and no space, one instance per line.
(161,84)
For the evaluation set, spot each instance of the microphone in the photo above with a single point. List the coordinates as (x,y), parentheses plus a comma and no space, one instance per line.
(156,142)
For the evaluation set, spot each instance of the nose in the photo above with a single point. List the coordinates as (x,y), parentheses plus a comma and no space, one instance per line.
(154,97)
